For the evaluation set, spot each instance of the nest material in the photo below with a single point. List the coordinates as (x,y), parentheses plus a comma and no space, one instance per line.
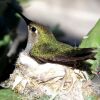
(48,81)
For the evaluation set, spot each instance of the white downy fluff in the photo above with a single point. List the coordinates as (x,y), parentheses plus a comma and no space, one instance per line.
(42,72)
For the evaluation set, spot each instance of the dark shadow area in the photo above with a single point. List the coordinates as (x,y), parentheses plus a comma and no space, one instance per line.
(8,24)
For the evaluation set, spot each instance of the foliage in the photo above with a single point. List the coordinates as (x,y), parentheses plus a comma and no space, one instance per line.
(93,40)
(22,1)
(5,41)
(7,94)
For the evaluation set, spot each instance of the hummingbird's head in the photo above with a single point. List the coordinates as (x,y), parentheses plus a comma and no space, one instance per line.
(37,29)
(36,33)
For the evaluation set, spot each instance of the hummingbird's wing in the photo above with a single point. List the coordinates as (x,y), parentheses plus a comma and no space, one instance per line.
(61,54)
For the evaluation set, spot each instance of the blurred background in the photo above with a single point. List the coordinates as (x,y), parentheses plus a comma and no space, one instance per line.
(69,20)
(74,17)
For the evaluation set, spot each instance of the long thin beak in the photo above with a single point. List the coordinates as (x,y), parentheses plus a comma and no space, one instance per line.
(26,19)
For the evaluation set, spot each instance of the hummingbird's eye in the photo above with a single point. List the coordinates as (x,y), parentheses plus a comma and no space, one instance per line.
(33,29)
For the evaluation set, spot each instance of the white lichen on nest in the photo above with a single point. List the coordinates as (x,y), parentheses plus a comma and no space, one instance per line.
(58,82)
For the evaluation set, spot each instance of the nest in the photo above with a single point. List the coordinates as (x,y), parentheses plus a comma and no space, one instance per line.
(48,81)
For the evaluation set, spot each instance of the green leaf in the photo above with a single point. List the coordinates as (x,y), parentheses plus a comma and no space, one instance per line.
(91,98)
(23,1)
(5,41)
(93,40)
(7,94)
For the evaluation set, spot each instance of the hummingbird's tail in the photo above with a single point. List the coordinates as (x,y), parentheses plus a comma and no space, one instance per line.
(83,53)
(77,57)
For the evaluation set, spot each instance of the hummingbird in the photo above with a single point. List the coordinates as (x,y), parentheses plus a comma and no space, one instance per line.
(43,46)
